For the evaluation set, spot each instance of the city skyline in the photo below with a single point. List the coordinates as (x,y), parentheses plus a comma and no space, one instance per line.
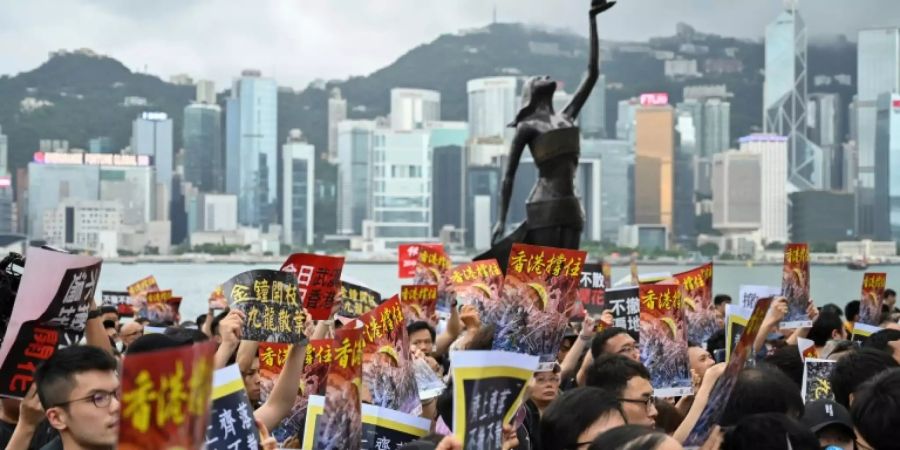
(294,45)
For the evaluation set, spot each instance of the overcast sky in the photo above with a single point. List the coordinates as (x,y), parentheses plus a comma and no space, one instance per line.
(301,40)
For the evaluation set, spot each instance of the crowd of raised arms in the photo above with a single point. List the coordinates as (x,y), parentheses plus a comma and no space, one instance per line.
(597,395)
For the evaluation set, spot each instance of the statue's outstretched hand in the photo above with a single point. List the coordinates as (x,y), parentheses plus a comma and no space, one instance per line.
(598,6)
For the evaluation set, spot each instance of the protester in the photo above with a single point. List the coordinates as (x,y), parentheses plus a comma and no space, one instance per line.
(831,423)
(700,359)
(78,387)
(23,424)
(788,360)
(421,335)
(719,301)
(886,341)
(890,300)
(762,390)
(851,314)
(578,416)
(856,368)
(770,431)
(616,341)
(827,327)
(130,332)
(544,388)
(634,437)
(876,412)
(630,382)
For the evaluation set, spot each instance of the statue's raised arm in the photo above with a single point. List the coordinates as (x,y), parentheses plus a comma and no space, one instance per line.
(587,85)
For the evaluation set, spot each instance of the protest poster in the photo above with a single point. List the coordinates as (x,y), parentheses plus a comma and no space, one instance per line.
(720,394)
(408,258)
(269,299)
(861,332)
(231,416)
(59,294)
(736,319)
(357,299)
(419,302)
(142,287)
(271,362)
(121,300)
(488,387)
(217,299)
(807,348)
(795,285)
(433,267)
(872,297)
(318,278)
(699,311)
(538,295)
(749,294)
(388,429)
(289,433)
(340,426)
(476,283)
(816,385)
(625,306)
(165,397)
(158,306)
(389,380)
(591,288)
(663,340)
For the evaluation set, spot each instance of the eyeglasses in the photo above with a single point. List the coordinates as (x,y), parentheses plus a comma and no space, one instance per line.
(648,402)
(628,349)
(100,399)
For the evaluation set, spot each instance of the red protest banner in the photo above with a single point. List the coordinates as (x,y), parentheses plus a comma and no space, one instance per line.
(419,302)
(318,280)
(408,256)
(872,297)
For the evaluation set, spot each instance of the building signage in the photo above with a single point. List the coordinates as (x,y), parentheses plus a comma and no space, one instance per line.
(655,99)
(92,159)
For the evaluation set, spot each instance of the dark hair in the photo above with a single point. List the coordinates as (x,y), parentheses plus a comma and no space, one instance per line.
(668,418)
(55,378)
(889,292)
(109,324)
(823,327)
(214,326)
(721,298)
(762,390)
(629,437)
(770,431)
(880,340)
(530,100)
(832,308)
(201,319)
(150,343)
(716,341)
(787,359)
(612,372)
(483,338)
(419,326)
(852,310)
(856,368)
(573,413)
(186,336)
(142,320)
(106,309)
(876,410)
(601,338)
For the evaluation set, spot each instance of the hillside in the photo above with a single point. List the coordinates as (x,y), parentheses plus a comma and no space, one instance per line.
(87,91)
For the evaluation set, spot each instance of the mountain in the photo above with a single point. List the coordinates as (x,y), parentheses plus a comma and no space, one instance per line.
(86,91)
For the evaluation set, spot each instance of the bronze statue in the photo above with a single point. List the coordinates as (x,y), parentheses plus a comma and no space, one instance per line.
(554,216)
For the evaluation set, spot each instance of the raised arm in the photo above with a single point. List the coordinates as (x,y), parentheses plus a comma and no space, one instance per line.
(506,188)
(587,85)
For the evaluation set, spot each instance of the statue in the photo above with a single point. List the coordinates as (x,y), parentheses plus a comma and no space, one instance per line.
(554,216)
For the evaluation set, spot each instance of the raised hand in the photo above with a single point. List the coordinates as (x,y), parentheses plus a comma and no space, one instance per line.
(598,6)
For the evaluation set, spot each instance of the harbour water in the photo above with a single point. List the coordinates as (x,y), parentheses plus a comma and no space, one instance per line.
(194,282)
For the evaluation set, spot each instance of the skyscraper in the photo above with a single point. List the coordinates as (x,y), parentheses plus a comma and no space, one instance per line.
(625,119)
(773,195)
(878,72)
(356,138)
(411,108)
(653,168)
(151,135)
(101,144)
(482,184)
(251,147)
(4,153)
(616,187)
(737,189)
(206,92)
(887,167)
(298,196)
(492,106)
(684,216)
(592,120)
(784,96)
(448,152)
(337,112)
(825,114)
(204,164)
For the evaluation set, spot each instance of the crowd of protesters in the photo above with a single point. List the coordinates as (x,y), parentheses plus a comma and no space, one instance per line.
(598,395)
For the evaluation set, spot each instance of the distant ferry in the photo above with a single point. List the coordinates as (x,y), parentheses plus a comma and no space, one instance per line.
(858,265)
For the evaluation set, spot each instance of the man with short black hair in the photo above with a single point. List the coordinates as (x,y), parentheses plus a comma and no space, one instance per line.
(615,341)
(630,382)
(890,300)
(887,341)
(78,388)
(851,314)
(856,368)
(876,412)
(421,336)
(719,301)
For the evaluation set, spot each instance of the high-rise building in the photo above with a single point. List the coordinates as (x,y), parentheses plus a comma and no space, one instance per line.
(887,167)
(592,120)
(653,167)
(4,153)
(101,144)
(785,97)
(737,189)
(773,198)
(412,108)
(616,187)
(400,188)
(204,161)
(299,182)
(561,99)
(878,72)
(684,215)
(356,139)
(625,119)
(251,147)
(151,135)
(824,113)
(588,187)
(482,186)
(85,225)
(206,92)
(492,106)
(217,212)
(337,112)
(716,134)
(448,152)
(822,217)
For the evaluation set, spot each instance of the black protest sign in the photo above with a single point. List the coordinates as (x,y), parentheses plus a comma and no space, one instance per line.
(270,300)
(231,423)
(625,306)
(357,300)
(591,288)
